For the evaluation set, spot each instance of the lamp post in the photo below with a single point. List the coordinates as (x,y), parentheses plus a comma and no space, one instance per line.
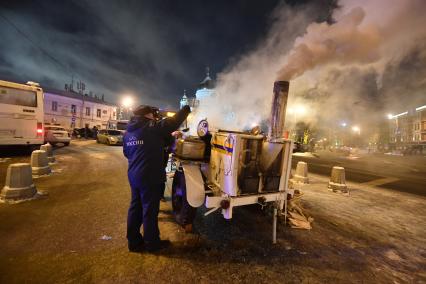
(296,111)
(126,104)
(342,131)
(357,132)
(393,130)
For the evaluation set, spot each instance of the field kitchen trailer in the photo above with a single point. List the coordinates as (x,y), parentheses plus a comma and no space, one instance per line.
(226,169)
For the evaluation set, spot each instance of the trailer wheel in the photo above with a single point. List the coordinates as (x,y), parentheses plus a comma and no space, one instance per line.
(183,212)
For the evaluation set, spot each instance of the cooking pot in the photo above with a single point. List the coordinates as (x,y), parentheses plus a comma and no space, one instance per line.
(190,148)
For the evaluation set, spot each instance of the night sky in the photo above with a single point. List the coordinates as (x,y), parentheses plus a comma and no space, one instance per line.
(152,49)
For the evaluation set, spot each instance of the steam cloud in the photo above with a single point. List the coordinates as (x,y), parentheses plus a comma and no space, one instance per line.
(343,42)
(355,69)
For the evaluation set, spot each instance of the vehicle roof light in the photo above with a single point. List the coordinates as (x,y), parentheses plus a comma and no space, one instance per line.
(31,83)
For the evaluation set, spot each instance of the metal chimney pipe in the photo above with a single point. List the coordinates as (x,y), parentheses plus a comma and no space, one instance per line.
(279,106)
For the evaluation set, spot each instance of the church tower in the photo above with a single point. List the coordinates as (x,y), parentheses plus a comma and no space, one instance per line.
(205,87)
(183,100)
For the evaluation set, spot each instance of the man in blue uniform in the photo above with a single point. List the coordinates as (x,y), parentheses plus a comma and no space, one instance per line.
(143,146)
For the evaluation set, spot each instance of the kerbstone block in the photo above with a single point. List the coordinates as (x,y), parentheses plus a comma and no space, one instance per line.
(39,163)
(19,183)
(49,151)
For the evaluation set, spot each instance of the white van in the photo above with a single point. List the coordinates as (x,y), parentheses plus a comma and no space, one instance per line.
(117,124)
(21,114)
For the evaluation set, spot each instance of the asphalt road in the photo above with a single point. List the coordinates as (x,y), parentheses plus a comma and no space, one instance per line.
(401,173)
(76,234)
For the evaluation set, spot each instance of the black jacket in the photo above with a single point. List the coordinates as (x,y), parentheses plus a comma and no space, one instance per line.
(143,146)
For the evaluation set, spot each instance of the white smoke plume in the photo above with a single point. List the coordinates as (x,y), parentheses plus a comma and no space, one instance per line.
(243,92)
(345,70)
(345,41)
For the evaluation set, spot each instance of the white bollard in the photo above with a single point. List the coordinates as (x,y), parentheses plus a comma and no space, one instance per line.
(301,174)
(39,163)
(19,183)
(49,150)
(338,181)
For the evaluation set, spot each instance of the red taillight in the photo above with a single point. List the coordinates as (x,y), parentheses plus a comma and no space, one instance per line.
(39,129)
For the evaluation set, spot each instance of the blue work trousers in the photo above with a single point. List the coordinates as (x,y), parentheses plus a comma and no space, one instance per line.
(144,207)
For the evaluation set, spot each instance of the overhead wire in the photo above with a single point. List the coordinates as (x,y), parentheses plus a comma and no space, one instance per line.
(45,52)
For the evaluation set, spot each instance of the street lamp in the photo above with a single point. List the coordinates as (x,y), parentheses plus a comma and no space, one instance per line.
(340,133)
(356,129)
(296,111)
(356,138)
(126,104)
(300,110)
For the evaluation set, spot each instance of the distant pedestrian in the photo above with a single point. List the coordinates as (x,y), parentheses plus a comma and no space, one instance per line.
(94,132)
(143,146)
(86,131)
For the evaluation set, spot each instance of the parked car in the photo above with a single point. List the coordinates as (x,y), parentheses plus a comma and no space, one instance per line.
(56,134)
(76,133)
(83,133)
(110,137)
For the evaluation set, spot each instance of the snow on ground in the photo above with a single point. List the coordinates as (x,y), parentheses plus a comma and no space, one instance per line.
(371,236)
(386,228)
(304,154)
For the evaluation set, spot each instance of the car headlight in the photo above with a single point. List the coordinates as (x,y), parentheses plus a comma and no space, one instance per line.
(113,138)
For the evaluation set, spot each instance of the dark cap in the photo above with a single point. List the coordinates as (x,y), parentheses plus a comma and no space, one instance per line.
(145,109)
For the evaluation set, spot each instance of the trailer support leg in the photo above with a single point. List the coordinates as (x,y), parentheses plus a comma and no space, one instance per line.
(274,226)
(285,212)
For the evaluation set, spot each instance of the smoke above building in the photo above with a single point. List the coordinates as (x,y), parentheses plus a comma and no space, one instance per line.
(354,68)
(342,42)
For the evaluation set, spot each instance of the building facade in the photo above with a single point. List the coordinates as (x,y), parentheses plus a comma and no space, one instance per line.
(408,128)
(74,110)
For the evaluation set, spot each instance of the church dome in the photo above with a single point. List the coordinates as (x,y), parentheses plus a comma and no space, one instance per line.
(208,82)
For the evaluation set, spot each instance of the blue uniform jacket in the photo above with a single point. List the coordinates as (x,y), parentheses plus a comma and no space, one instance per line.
(143,146)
